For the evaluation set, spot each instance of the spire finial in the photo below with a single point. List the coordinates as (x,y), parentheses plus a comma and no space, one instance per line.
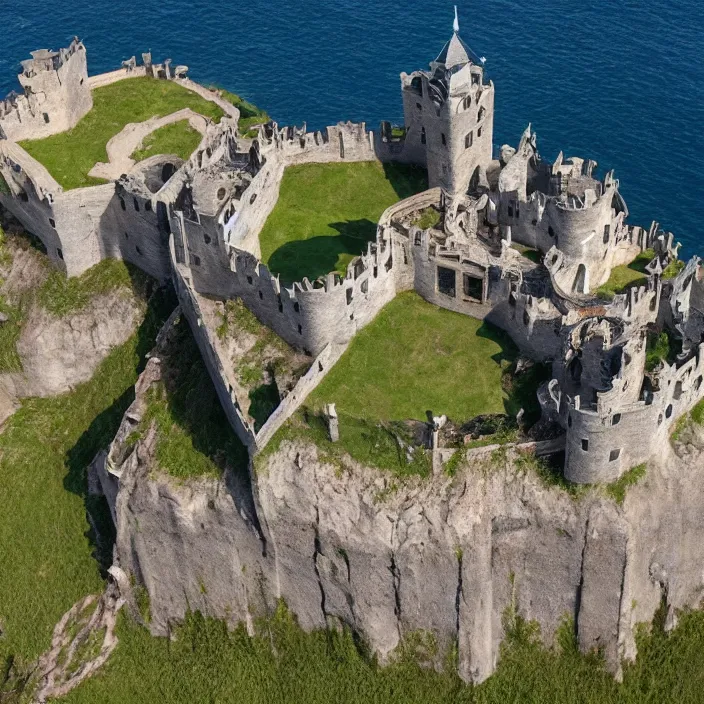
(456,24)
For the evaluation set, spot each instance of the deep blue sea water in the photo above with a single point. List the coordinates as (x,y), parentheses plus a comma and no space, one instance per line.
(618,82)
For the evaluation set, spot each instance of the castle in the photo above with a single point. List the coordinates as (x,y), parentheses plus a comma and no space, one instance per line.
(197,222)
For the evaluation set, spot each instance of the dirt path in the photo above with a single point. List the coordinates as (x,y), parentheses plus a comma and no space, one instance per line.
(121,147)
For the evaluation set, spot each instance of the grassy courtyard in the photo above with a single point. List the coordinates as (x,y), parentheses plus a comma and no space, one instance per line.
(178,138)
(69,156)
(416,357)
(326,214)
(626,275)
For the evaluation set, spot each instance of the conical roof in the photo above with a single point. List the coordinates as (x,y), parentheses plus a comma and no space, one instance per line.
(457,53)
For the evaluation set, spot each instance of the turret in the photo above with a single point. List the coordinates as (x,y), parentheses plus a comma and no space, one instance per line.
(449,113)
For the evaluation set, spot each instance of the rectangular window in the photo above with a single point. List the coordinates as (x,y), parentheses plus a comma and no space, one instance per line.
(447,281)
(473,287)
(444,139)
(468,140)
(479,132)
(585,444)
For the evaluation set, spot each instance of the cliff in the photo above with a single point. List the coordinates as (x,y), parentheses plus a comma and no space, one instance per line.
(55,334)
(391,558)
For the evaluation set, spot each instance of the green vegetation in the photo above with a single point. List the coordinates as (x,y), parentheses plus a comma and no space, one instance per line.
(386,445)
(69,156)
(617,489)
(250,115)
(626,275)
(62,296)
(9,334)
(326,214)
(47,546)
(428,218)
(697,413)
(194,437)
(672,269)
(661,348)
(529,253)
(178,138)
(269,360)
(282,664)
(415,357)
(4,188)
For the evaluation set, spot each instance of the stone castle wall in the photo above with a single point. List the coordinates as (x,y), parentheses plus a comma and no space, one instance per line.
(56,95)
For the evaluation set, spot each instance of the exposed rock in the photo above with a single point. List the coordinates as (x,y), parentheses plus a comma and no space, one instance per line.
(59,353)
(444,555)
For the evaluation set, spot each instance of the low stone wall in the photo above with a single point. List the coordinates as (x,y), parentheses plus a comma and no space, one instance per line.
(106,79)
(322,364)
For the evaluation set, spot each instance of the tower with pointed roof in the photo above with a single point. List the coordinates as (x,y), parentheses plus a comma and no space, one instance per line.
(449,116)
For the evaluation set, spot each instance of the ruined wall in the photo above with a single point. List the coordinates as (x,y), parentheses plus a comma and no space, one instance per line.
(207,347)
(322,364)
(56,95)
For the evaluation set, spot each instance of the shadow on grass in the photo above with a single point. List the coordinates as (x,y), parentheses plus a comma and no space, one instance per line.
(264,401)
(521,389)
(104,427)
(195,435)
(318,256)
(406,179)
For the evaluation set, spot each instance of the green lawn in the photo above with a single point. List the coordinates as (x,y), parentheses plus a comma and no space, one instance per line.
(626,275)
(69,156)
(178,138)
(250,115)
(326,214)
(416,357)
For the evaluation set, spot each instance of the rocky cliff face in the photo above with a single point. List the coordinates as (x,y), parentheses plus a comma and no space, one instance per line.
(444,555)
(57,352)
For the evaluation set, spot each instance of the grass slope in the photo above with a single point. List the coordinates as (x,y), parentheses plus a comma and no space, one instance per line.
(206,663)
(194,436)
(46,546)
(178,138)
(69,156)
(416,357)
(326,213)
(250,115)
(626,275)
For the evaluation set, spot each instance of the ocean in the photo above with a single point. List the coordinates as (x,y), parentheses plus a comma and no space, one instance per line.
(617,82)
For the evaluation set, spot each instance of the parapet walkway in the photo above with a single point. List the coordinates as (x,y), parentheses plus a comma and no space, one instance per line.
(121,147)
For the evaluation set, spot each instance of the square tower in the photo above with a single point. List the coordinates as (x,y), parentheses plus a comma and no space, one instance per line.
(449,116)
